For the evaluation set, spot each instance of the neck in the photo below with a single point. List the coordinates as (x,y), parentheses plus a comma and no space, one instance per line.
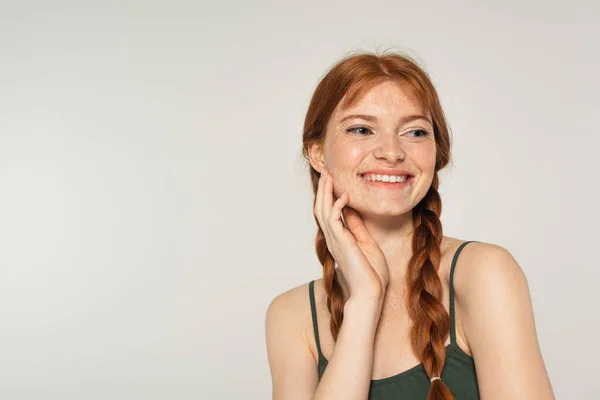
(394,237)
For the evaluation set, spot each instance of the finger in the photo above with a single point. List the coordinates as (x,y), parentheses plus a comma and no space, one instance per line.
(356,225)
(318,202)
(327,199)
(335,218)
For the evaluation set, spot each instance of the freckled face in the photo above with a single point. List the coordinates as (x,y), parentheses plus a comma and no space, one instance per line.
(386,128)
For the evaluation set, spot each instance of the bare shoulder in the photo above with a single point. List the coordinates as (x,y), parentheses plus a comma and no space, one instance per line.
(291,361)
(492,293)
(291,307)
(290,313)
(485,263)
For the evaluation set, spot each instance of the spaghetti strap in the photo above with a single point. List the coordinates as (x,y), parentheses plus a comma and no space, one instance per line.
(452,318)
(313,311)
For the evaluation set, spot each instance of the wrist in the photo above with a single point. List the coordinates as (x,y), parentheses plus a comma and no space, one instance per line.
(363,304)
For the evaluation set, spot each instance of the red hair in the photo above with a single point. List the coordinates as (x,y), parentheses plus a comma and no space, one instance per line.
(349,79)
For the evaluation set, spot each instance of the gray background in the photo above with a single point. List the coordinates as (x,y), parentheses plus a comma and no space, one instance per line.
(153,199)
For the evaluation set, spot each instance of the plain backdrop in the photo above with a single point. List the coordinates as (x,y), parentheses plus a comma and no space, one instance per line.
(153,198)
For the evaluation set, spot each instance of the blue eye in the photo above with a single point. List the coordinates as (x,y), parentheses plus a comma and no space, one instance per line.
(423,131)
(363,131)
(364,128)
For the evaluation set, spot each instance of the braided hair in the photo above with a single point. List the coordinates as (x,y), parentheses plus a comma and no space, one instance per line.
(347,80)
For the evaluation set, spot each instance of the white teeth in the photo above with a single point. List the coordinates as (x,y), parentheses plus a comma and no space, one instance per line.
(385,178)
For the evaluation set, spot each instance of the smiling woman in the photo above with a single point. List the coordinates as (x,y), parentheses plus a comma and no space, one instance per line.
(406,320)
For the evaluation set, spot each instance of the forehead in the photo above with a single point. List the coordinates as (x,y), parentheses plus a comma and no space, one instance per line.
(387,98)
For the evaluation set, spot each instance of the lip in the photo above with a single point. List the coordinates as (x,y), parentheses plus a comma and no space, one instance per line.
(388,185)
(383,171)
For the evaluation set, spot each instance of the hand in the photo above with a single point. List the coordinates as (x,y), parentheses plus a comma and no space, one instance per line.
(359,257)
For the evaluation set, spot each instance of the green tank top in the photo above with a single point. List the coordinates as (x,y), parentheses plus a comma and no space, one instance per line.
(458,373)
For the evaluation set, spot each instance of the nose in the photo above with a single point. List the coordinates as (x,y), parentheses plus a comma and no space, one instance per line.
(389,147)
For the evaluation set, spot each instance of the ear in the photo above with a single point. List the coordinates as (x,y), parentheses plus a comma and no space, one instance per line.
(315,155)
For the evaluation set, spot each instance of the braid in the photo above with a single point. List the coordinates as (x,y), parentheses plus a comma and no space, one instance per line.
(335,297)
(346,82)
(431,322)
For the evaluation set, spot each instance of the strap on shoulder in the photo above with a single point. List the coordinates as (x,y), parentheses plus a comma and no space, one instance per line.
(313,311)
(452,318)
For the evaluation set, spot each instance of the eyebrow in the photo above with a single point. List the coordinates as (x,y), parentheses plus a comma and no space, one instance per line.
(372,118)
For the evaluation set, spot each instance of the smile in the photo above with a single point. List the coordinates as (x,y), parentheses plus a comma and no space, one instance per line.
(387,181)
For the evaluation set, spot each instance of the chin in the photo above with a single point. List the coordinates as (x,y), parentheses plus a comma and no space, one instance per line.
(383,210)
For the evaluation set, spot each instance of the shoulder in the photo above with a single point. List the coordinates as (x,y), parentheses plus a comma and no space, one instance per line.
(486,269)
(492,294)
(291,359)
(290,308)
(289,317)
(498,323)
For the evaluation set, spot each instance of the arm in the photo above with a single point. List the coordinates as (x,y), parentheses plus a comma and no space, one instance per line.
(499,326)
(293,367)
(348,373)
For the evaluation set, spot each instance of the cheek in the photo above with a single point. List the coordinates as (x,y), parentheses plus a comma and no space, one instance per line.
(347,156)
(355,154)
(424,157)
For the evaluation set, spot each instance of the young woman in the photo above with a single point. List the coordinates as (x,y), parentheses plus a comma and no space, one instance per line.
(397,314)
